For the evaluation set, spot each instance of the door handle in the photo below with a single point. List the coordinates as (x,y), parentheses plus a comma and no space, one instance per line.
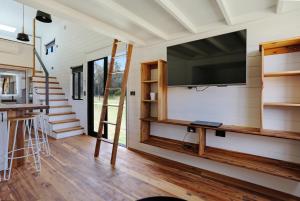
(2,117)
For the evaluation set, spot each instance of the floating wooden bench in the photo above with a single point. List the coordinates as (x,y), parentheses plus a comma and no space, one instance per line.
(258,163)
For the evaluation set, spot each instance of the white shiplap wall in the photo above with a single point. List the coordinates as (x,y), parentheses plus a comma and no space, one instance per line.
(237,105)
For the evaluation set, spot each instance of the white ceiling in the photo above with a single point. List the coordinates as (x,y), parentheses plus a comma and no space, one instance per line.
(145,21)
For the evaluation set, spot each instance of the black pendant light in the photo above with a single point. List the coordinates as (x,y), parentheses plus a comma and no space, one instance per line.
(43,17)
(23,36)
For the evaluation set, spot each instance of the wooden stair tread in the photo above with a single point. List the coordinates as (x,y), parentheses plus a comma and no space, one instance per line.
(56,100)
(234,129)
(42,76)
(61,114)
(45,82)
(52,93)
(49,87)
(67,129)
(60,106)
(64,121)
(258,163)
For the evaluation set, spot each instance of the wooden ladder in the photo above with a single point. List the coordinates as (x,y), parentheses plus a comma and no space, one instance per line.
(105,105)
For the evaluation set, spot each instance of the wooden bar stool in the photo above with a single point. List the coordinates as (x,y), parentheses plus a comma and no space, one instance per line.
(43,124)
(31,149)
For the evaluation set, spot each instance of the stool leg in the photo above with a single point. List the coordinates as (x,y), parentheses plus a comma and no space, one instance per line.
(13,150)
(41,124)
(37,145)
(46,131)
(30,142)
(6,155)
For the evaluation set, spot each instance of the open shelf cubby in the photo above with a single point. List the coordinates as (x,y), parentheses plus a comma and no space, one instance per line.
(156,71)
(153,80)
(276,68)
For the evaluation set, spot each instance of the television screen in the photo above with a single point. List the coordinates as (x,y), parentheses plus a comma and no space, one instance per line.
(218,60)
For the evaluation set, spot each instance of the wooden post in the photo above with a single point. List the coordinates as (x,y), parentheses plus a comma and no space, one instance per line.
(33,56)
(262,89)
(202,141)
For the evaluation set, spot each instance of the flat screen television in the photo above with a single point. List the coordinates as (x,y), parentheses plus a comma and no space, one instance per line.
(218,60)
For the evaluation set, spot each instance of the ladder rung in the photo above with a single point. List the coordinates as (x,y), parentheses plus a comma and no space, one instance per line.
(107,122)
(117,72)
(111,105)
(120,55)
(111,88)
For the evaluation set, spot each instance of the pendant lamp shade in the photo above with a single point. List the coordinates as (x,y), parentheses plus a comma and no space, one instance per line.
(23,36)
(43,17)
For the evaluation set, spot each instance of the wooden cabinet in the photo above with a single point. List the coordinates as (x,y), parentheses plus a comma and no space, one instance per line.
(3,138)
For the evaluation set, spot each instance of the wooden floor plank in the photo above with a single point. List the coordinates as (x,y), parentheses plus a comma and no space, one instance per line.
(72,173)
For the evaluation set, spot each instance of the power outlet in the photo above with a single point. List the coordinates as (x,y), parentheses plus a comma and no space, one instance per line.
(191,129)
(220,133)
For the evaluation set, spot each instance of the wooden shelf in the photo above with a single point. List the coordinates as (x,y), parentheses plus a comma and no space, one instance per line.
(150,101)
(282,73)
(281,46)
(150,81)
(262,164)
(234,129)
(274,104)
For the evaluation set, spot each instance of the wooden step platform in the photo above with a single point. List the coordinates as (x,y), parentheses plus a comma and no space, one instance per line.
(262,164)
(234,129)
(64,121)
(53,93)
(60,106)
(61,114)
(45,82)
(67,129)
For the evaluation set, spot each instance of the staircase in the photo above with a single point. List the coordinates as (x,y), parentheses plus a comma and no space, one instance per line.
(62,120)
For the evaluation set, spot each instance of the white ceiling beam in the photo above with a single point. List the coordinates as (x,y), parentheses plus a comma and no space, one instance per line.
(77,17)
(171,8)
(134,18)
(279,7)
(225,11)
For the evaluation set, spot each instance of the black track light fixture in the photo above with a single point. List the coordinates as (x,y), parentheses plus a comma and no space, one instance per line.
(23,36)
(43,17)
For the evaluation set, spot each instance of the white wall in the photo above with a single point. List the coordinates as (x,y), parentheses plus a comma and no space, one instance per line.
(74,46)
(237,105)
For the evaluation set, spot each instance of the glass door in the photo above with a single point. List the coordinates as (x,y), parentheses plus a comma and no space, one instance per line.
(97,72)
(97,75)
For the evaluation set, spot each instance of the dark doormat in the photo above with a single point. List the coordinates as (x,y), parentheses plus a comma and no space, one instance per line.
(161,198)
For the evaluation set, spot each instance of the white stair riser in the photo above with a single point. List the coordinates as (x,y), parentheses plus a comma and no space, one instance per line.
(62,117)
(40,90)
(60,110)
(65,125)
(66,134)
(44,79)
(36,84)
(43,97)
(58,103)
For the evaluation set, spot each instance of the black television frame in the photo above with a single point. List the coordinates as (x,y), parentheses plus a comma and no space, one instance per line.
(217,85)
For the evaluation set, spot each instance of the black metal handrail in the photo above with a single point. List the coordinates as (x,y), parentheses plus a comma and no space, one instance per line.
(46,77)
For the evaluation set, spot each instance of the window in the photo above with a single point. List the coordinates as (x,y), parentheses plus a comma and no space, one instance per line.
(50,47)
(77,79)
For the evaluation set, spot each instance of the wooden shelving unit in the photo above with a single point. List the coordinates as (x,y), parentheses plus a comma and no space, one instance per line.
(271,166)
(153,79)
(262,164)
(274,48)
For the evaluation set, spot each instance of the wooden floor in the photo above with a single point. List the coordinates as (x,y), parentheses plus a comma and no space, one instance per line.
(72,173)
